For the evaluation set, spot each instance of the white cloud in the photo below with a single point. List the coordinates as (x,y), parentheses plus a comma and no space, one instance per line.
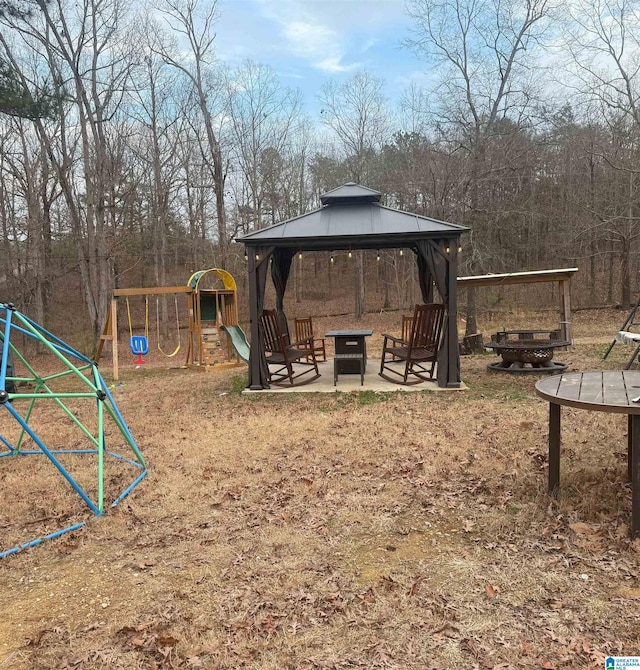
(289,75)
(307,40)
(320,45)
(369,44)
(315,32)
(418,77)
(334,65)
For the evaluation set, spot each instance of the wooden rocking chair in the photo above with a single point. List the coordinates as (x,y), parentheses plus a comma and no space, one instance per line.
(419,348)
(304,333)
(280,352)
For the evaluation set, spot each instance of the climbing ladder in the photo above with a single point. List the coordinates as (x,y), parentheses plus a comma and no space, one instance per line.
(626,335)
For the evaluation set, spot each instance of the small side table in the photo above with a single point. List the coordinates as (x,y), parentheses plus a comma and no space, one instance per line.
(343,364)
(350,353)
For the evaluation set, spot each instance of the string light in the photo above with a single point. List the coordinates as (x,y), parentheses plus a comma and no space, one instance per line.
(378,256)
(460,250)
(246,258)
(448,249)
(401,252)
(332,258)
(257,257)
(350,254)
(300,256)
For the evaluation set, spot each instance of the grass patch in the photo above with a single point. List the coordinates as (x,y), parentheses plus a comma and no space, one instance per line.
(371,397)
(238,384)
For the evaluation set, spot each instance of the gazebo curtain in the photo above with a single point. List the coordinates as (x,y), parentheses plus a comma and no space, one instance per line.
(434,265)
(258,270)
(280,268)
(425,278)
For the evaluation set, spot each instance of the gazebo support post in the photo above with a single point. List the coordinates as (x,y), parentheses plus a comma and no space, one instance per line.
(254,358)
(257,258)
(453,354)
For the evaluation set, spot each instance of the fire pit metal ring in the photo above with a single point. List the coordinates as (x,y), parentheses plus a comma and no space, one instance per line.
(522,348)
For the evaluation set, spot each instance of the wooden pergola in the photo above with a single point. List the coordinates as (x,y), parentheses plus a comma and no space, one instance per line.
(562,276)
(352,218)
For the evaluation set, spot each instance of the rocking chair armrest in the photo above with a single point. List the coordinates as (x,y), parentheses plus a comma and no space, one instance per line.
(397,340)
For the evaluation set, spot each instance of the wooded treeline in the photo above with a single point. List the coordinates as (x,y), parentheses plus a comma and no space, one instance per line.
(153,155)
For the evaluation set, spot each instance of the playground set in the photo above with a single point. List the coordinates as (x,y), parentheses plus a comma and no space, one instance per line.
(215,340)
(74,390)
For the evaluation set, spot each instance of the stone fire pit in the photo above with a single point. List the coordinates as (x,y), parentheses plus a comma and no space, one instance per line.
(527,351)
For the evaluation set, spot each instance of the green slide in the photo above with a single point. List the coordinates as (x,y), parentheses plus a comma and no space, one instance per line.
(239,341)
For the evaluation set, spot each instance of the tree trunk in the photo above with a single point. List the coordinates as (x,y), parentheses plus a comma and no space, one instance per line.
(625,273)
(472,323)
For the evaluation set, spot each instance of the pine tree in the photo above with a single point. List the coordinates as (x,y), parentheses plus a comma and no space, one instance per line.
(15,97)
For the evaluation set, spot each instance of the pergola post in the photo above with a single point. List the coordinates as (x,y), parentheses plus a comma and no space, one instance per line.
(565,311)
(258,262)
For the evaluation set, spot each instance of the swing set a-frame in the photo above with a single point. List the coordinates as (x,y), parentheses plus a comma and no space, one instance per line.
(208,308)
(627,335)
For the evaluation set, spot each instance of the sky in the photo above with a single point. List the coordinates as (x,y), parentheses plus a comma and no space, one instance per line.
(308,42)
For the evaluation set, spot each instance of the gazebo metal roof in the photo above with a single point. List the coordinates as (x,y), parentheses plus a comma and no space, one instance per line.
(352,217)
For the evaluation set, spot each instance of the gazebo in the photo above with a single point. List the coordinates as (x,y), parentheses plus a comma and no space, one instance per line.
(351,218)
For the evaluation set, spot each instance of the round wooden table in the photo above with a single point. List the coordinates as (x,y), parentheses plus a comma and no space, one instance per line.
(607,391)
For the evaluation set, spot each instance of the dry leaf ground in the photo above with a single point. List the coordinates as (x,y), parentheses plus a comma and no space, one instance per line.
(333,531)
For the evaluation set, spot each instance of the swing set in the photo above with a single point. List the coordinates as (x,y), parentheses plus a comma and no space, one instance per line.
(139,344)
(208,308)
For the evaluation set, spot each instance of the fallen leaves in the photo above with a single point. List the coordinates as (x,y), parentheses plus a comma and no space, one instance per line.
(491,591)
(581,528)
(353,541)
(468,525)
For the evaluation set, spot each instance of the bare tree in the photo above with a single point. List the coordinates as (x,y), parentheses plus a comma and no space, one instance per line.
(30,172)
(485,51)
(357,113)
(89,56)
(192,21)
(159,122)
(263,116)
(603,38)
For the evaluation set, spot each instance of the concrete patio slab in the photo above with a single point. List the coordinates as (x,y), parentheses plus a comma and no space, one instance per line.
(350,383)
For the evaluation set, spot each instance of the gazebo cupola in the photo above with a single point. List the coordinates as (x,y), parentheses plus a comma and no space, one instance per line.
(350,194)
